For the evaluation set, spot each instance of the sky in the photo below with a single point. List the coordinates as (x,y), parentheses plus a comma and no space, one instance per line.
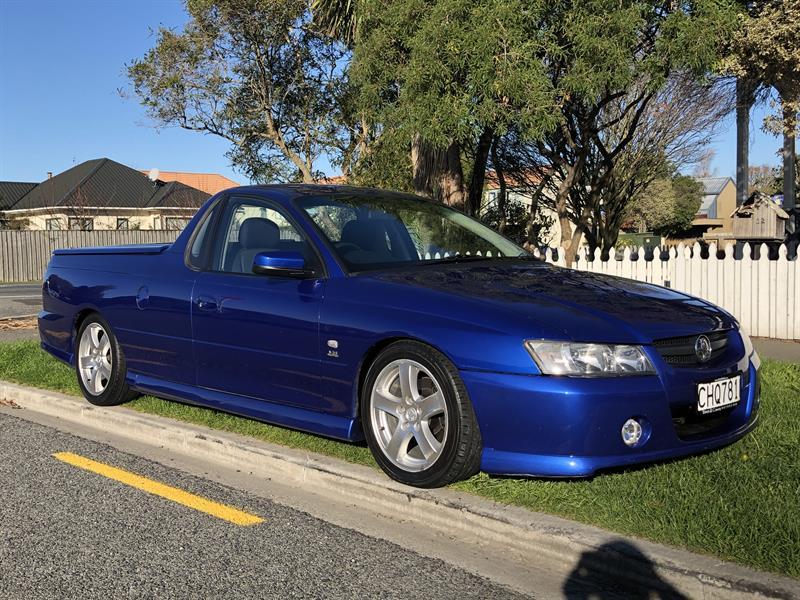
(62,69)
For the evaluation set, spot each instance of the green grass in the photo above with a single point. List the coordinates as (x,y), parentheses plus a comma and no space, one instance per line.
(741,503)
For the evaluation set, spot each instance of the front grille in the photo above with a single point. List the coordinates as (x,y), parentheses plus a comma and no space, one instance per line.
(679,351)
(691,424)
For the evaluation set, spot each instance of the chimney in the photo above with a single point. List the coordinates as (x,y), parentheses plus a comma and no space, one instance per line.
(49,174)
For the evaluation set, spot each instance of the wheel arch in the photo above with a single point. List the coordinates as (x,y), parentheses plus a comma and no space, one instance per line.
(372,353)
(80,316)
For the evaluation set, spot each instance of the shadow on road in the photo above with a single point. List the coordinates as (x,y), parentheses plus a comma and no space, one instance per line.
(617,570)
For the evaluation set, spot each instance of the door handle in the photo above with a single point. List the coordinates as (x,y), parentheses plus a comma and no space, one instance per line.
(206,303)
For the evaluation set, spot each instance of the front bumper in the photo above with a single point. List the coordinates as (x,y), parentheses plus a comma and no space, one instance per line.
(570,427)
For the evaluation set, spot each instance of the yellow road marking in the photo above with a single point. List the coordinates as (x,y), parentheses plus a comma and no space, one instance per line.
(210,507)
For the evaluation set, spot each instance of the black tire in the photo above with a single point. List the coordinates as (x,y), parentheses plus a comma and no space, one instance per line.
(116,391)
(461,452)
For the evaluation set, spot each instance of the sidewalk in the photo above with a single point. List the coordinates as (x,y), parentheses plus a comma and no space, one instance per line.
(785,350)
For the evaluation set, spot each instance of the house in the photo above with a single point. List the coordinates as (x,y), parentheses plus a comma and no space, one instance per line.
(714,218)
(100,194)
(522,192)
(210,183)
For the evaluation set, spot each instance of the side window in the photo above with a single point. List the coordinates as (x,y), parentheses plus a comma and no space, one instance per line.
(251,226)
(198,251)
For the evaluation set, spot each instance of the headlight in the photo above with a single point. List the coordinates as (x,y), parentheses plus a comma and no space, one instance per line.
(588,360)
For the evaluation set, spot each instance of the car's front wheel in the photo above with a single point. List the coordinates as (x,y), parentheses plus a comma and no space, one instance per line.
(100,364)
(417,417)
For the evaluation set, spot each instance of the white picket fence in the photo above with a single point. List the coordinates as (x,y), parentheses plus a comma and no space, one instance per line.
(763,294)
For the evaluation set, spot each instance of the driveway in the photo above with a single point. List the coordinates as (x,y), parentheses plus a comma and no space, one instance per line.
(18,300)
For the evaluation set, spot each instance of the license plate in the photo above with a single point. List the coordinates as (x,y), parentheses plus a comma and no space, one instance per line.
(716,395)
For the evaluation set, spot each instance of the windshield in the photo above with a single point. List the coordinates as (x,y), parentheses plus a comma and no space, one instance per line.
(374,232)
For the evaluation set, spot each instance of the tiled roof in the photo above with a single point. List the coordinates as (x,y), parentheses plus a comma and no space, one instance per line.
(108,184)
(12,191)
(211,183)
(526,180)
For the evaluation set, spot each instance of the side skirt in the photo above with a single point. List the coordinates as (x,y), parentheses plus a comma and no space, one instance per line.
(341,428)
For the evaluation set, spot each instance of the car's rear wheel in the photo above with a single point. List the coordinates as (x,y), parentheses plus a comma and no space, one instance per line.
(417,417)
(100,364)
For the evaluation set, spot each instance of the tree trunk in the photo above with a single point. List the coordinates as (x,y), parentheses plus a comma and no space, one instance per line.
(451,179)
(437,174)
(475,194)
(789,154)
(744,100)
(569,243)
(502,199)
(422,166)
(574,241)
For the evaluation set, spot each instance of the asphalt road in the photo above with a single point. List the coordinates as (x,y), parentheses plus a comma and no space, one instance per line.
(20,299)
(67,532)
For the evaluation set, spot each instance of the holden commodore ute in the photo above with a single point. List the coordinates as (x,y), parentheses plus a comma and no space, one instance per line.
(363,314)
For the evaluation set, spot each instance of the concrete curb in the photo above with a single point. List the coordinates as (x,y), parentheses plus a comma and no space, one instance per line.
(556,541)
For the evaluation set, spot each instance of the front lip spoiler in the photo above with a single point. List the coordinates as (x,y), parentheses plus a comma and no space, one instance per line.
(497,462)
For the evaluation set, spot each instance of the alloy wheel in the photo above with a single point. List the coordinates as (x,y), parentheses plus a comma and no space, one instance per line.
(94,359)
(409,415)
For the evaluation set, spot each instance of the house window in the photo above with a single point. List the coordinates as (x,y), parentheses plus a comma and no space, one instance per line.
(53,224)
(175,223)
(81,224)
(122,223)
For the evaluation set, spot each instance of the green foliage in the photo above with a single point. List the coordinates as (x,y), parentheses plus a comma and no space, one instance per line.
(255,73)
(667,206)
(447,70)
(688,196)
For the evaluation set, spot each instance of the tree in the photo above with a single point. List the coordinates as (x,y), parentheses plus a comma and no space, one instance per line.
(702,167)
(612,64)
(667,206)
(767,47)
(688,196)
(591,169)
(515,221)
(762,178)
(445,78)
(258,74)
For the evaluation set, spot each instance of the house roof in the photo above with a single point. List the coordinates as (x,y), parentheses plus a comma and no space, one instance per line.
(12,191)
(105,183)
(713,185)
(712,188)
(525,180)
(211,183)
(756,201)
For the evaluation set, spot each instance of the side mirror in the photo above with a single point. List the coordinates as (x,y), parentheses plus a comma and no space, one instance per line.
(281,263)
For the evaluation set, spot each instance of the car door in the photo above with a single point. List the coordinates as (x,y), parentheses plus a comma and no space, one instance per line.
(257,335)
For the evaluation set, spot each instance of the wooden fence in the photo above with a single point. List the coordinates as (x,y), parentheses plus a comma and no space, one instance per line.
(763,294)
(24,254)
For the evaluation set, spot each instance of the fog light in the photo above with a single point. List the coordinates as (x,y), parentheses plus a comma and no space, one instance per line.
(632,432)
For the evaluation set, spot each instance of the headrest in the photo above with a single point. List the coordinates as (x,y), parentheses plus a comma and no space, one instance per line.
(366,234)
(258,232)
